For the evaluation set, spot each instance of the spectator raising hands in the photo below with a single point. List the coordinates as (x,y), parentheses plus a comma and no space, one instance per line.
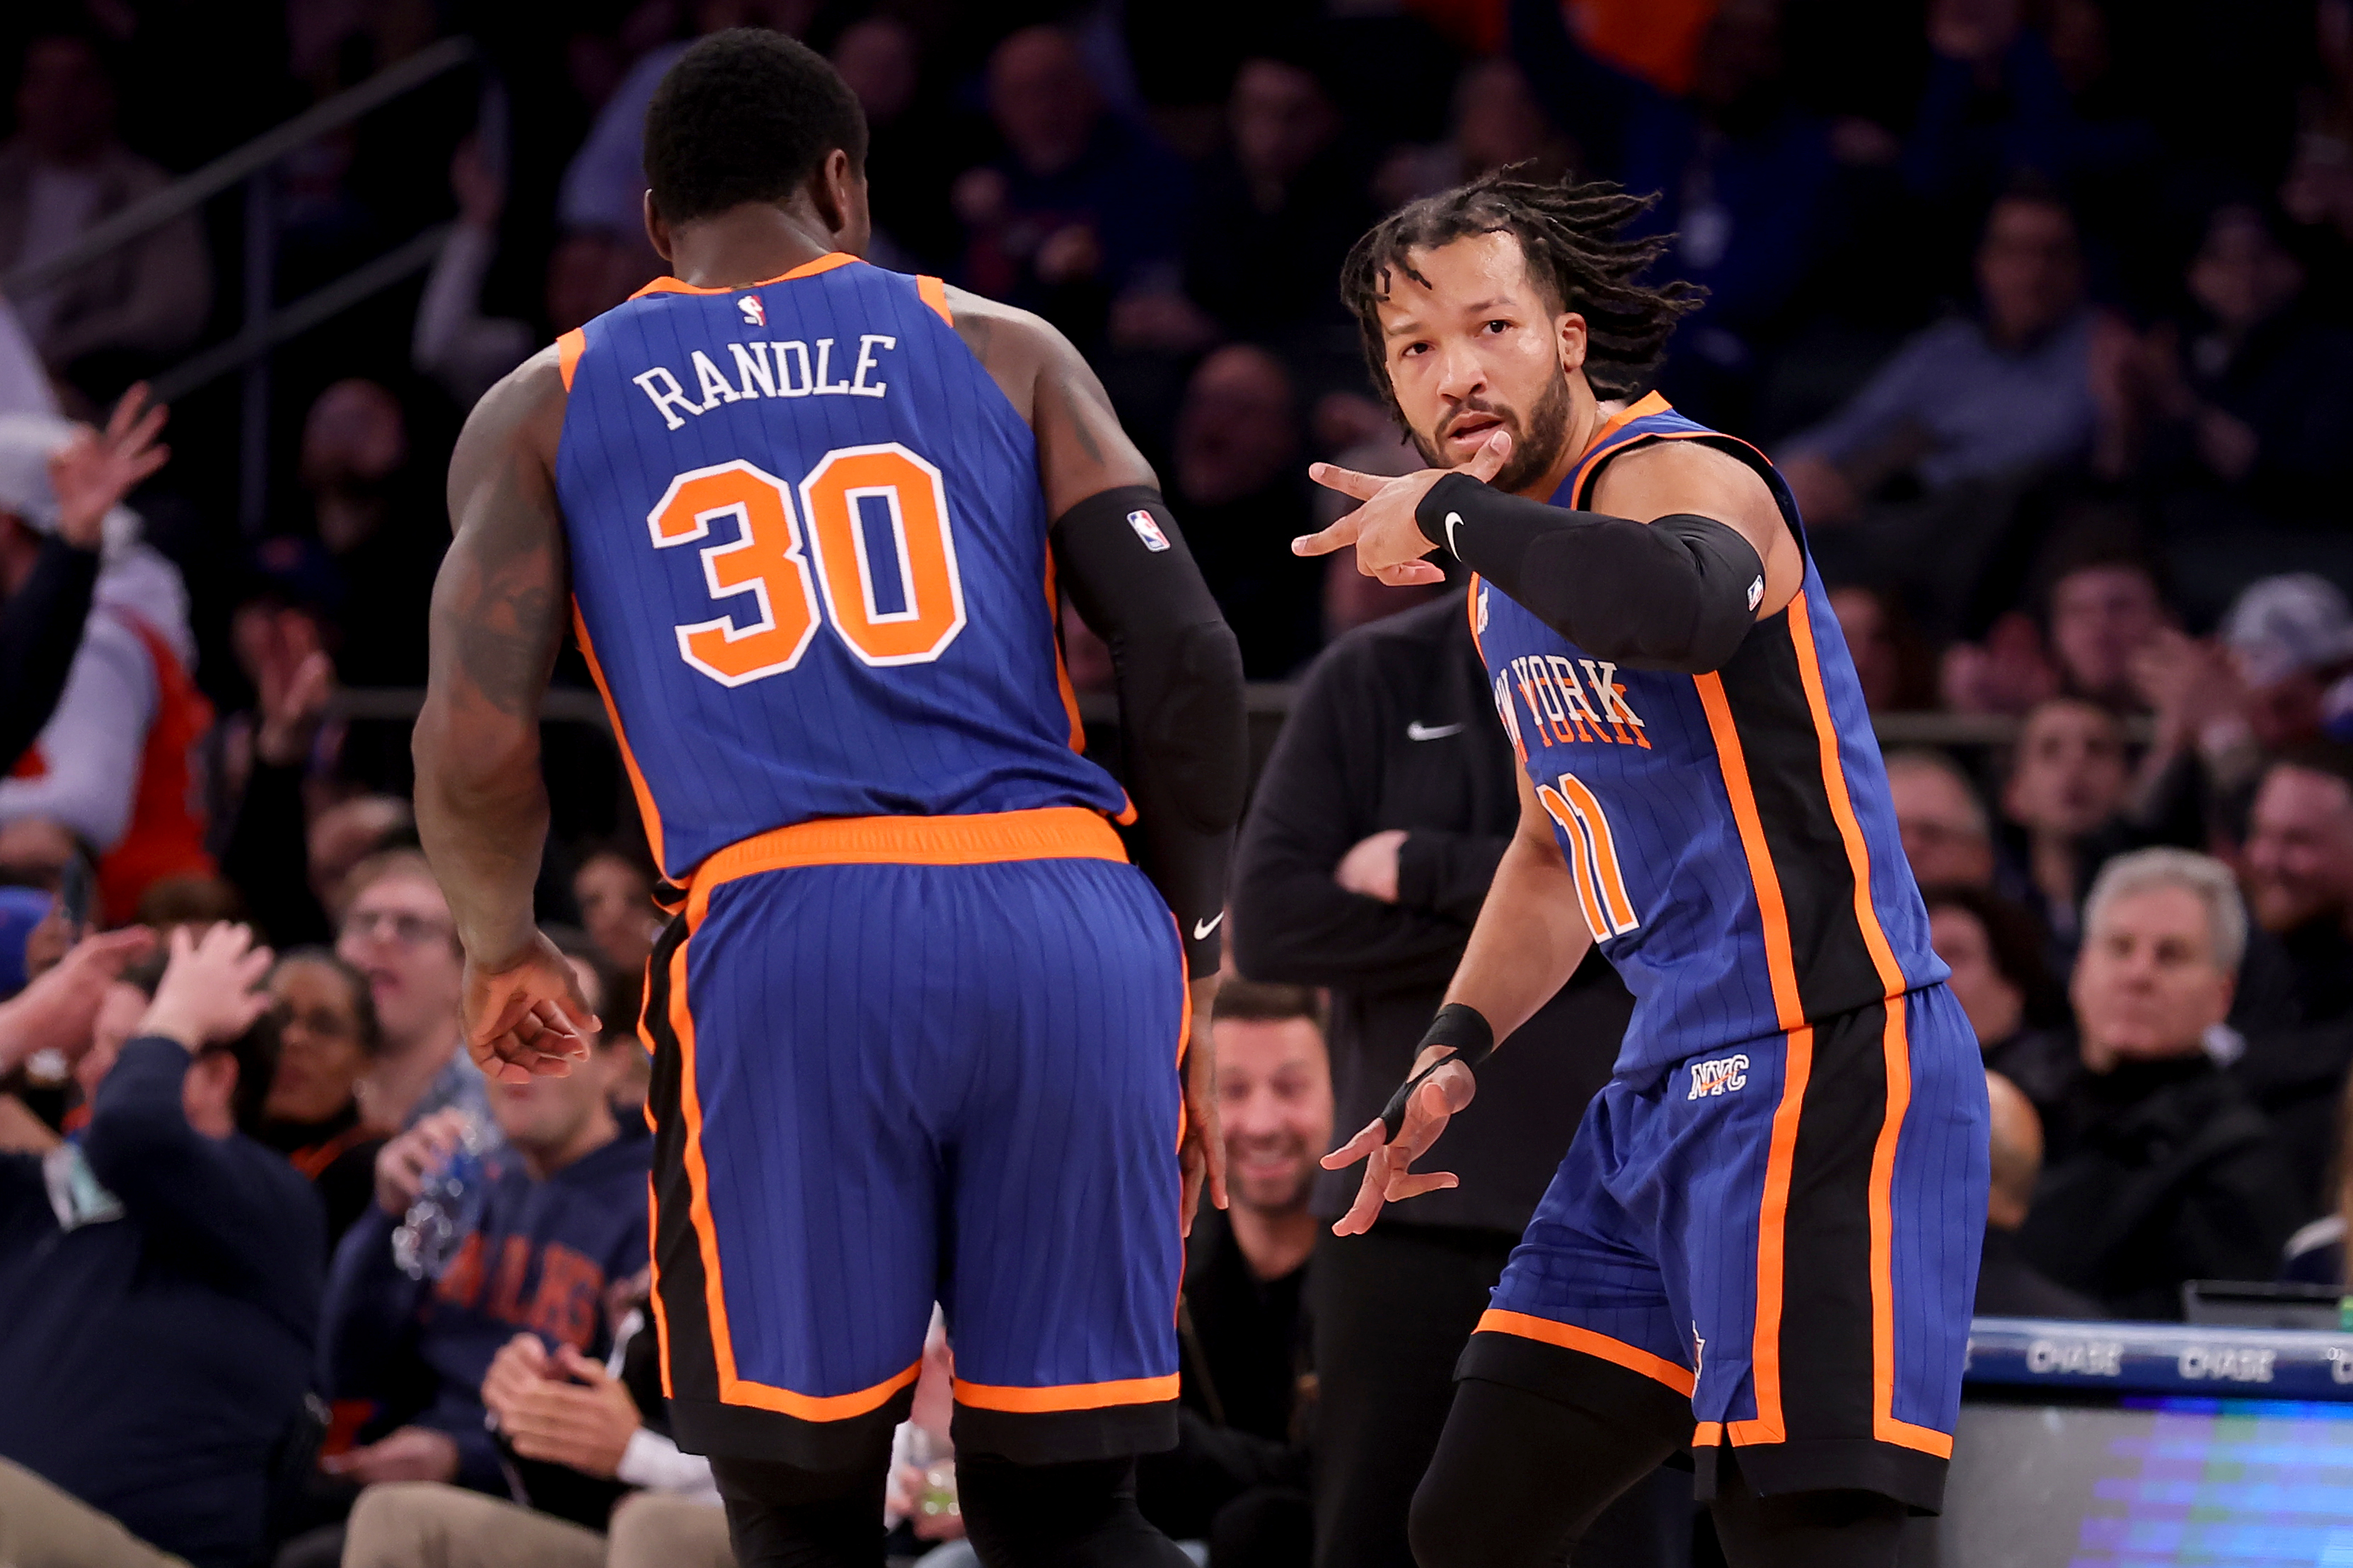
(56,1011)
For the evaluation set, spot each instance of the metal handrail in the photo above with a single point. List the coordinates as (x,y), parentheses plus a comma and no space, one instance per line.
(191,191)
(319,305)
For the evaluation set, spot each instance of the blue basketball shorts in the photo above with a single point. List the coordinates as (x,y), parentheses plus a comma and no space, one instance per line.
(1779,1240)
(903,1060)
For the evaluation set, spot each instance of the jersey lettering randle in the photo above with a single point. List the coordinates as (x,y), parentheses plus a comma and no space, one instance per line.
(809,562)
(1733,845)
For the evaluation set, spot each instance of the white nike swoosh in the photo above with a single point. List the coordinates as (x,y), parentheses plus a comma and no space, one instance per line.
(1453,519)
(1201,929)
(1418,730)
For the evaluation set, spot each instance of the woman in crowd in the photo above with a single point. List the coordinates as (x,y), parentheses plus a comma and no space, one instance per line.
(328,1036)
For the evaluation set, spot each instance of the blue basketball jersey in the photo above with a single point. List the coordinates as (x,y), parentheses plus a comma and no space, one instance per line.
(1735,849)
(809,562)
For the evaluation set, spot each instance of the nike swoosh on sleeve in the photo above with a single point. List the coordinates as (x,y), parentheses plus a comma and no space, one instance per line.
(1201,929)
(1418,730)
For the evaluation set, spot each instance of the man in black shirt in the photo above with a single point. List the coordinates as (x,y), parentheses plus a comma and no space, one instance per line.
(1238,1477)
(1376,827)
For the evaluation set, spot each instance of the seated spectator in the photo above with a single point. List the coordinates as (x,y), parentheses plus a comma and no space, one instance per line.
(1994,949)
(916,140)
(62,175)
(562,1218)
(615,890)
(2008,1286)
(1240,498)
(345,837)
(379,518)
(2291,642)
(579,1431)
(2256,395)
(114,761)
(1947,834)
(1241,1437)
(2162,1169)
(589,271)
(1972,397)
(1277,208)
(327,1038)
(2299,874)
(1082,206)
(45,603)
(160,1278)
(1496,121)
(2105,606)
(2067,781)
(1892,659)
(399,934)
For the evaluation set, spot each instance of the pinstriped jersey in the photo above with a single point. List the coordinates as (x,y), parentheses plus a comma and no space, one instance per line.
(1734,846)
(809,561)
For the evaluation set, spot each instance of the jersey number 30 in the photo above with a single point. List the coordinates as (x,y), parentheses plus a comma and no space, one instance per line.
(783,565)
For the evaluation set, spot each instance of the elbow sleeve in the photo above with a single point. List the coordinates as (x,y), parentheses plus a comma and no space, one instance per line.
(1679,593)
(1180,673)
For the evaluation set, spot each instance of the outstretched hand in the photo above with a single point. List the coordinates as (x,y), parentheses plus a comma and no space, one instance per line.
(1390,542)
(527,1020)
(96,468)
(1390,1175)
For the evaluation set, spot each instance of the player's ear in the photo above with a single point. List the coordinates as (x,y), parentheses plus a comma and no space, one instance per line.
(657,227)
(1571,331)
(838,192)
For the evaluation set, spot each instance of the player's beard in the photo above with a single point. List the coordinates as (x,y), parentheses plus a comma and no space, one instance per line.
(1536,441)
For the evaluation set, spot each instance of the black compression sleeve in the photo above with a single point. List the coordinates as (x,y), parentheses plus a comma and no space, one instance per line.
(1677,594)
(1187,761)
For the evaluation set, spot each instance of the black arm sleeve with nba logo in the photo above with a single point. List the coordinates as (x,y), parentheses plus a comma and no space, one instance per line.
(1185,743)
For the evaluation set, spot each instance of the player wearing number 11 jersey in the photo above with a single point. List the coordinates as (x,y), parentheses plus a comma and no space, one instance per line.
(920,1027)
(1763,1242)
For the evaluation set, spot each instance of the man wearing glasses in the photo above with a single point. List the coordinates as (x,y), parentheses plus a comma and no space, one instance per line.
(397,930)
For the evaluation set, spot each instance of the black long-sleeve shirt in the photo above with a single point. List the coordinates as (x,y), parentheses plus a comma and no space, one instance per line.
(1393,728)
(40,630)
(153,1354)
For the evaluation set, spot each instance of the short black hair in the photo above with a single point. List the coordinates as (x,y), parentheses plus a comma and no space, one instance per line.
(1569,234)
(745,115)
(1256,1002)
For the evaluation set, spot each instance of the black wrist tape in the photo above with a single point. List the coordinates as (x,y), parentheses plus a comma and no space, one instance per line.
(1464,1032)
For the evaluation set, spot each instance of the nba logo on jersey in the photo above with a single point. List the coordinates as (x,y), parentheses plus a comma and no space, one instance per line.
(755,312)
(1479,618)
(1719,1077)
(1147,531)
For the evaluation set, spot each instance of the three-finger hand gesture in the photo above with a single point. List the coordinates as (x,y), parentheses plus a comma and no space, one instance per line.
(1390,1175)
(1388,540)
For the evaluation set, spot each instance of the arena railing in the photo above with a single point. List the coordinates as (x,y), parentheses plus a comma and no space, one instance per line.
(265,322)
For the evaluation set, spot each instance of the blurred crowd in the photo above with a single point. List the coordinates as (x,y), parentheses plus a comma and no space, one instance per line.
(2045,308)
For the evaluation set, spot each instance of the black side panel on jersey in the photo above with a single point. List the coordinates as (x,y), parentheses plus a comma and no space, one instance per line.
(1180,697)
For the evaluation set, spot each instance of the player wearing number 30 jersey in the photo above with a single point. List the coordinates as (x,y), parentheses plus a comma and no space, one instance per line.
(1763,1242)
(920,1028)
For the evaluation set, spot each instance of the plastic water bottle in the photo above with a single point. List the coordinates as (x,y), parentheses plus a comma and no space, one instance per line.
(448,1208)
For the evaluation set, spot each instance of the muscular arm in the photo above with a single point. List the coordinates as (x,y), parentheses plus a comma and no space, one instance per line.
(498,622)
(1178,670)
(1683,550)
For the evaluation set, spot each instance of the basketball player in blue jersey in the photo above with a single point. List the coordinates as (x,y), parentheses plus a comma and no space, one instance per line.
(921,1030)
(1763,1241)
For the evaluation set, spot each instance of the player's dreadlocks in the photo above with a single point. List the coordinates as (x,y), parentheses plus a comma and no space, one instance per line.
(1569,234)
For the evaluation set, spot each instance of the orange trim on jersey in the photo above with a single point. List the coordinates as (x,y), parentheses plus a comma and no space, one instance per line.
(1894,1042)
(567,354)
(1068,1396)
(1782,968)
(935,294)
(646,810)
(825,263)
(976,838)
(813,1406)
(653,1254)
(1062,666)
(1470,614)
(1708,1435)
(1568,1336)
(1642,407)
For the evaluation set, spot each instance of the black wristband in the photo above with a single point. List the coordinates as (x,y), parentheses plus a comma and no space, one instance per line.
(1468,1037)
